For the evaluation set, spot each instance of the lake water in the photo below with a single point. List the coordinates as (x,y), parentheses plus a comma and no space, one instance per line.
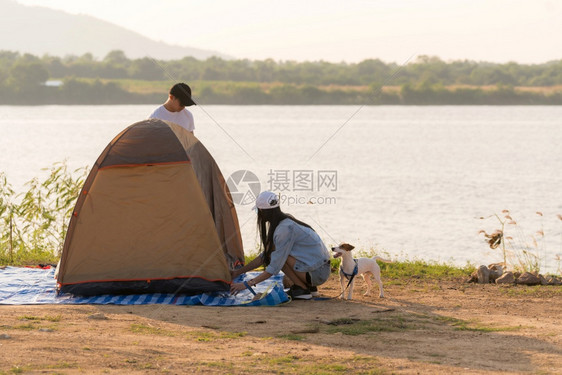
(408,181)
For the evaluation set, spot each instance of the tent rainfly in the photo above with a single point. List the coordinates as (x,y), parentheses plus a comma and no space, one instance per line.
(154,216)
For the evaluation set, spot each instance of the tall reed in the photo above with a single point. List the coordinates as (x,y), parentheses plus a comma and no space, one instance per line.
(33,223)
(520,251)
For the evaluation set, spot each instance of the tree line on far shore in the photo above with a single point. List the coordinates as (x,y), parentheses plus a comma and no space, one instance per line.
(426,81)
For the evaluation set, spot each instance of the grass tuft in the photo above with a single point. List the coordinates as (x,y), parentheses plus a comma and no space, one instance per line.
(144,329)
(536,291)
(26,327)
(292,337)
(463,325)
(389,324)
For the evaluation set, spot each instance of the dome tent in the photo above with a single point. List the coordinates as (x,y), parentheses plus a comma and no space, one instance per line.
(154,216)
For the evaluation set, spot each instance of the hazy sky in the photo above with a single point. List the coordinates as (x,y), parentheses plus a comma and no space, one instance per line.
(526,31)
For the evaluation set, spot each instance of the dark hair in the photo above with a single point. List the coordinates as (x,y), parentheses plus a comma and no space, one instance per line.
(268,220)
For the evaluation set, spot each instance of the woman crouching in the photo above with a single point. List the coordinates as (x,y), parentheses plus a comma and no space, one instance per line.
(288,245)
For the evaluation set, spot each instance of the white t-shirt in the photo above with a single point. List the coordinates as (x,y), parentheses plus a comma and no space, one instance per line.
(183,118)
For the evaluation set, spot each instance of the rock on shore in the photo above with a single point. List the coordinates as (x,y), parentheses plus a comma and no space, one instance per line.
(495,273)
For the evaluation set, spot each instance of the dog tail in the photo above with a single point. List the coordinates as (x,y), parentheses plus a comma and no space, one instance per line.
(382,259)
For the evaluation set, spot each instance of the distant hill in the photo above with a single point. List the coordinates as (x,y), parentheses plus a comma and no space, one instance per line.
(38,30)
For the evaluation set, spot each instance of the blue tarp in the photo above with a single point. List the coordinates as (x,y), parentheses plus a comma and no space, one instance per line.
(33,286)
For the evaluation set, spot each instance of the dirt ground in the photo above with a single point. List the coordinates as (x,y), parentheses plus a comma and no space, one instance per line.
(425,327)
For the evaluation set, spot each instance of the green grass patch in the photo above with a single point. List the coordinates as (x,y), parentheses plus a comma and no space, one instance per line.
(343,321)
(54,319)
(27,327)
(424,270)
(217,364)
(361,327)
(295,364)
(204,336)
(201,336)
(18,370)
(403,322)
(144,329)
(62,365)
(48,318)
(292,337)
(482,328)
(146,366)
(231,335)
(29,317)
(463,325)
(537,291)
(282,360)
(28,257)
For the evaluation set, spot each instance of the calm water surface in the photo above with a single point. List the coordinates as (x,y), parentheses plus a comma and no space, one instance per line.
(409,181)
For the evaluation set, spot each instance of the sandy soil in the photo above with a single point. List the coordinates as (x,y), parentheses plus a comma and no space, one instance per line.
(426,327)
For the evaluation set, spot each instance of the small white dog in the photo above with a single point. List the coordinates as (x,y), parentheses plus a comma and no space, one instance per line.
(351,267)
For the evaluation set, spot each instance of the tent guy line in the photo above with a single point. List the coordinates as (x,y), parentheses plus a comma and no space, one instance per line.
(167,73)
(396,71)
(325,231)
(157,309)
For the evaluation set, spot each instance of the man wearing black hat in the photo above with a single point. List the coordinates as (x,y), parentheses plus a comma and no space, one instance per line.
(174,108)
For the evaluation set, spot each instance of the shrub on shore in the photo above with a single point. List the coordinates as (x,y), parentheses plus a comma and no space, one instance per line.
(33,224)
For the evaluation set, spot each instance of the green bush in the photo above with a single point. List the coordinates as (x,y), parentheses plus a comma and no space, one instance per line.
(33,224)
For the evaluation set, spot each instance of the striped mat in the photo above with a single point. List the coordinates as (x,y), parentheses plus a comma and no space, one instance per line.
(33,286)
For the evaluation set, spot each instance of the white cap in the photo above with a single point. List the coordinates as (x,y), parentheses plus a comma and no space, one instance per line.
(267,200)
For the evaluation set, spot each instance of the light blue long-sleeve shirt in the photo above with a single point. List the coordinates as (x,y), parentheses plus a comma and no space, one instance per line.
(302,243)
